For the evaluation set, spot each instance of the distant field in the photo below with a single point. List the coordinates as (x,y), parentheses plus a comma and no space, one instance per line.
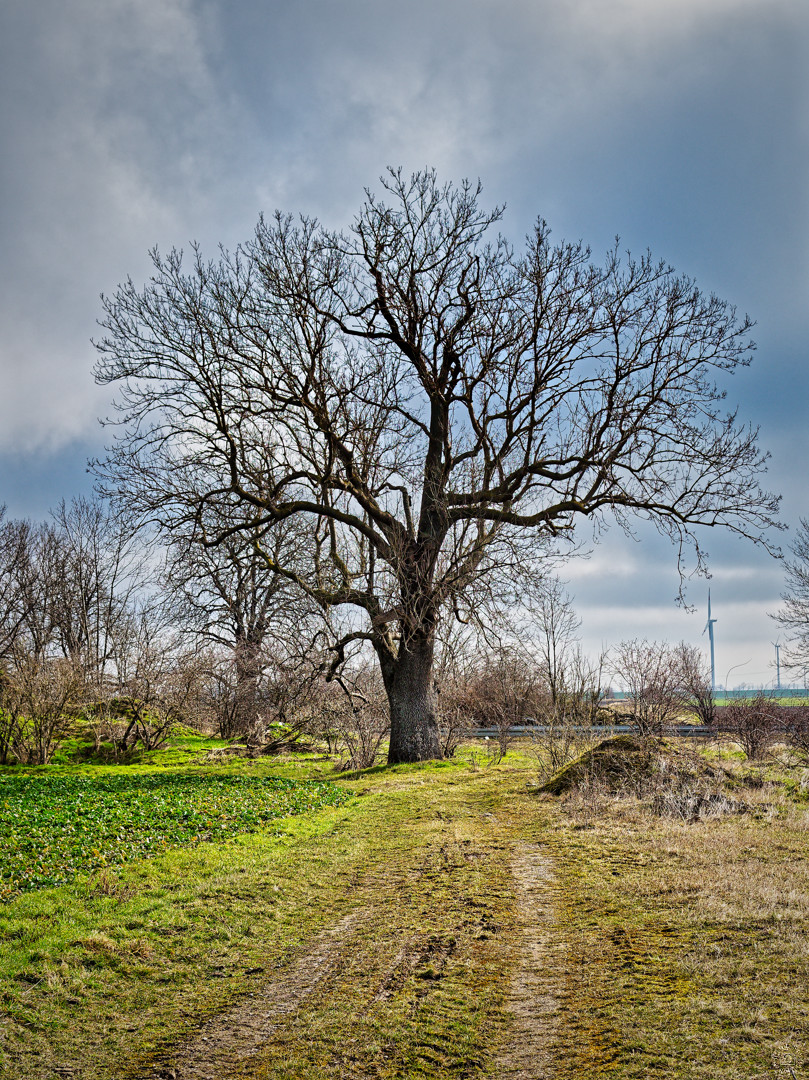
(787,696)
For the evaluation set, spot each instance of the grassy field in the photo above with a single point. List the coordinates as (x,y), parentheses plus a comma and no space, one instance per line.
(444,920)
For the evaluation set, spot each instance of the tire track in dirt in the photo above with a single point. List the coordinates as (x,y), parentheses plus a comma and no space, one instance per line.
(533,1005)
(228,1040)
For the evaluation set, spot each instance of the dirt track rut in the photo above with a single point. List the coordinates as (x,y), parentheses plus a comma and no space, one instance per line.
(227,1041)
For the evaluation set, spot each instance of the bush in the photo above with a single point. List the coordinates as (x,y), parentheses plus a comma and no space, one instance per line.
(752,722)
(39,699)
(350,712)
(794,721)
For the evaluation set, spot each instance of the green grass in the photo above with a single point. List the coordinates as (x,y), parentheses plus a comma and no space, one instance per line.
(679,951)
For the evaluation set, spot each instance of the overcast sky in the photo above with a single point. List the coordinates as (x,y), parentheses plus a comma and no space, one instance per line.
(680,125)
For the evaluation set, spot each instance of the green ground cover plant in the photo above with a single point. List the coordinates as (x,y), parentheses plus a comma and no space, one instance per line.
(54,827)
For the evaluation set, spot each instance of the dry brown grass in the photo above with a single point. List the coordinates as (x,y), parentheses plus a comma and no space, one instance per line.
(689,940)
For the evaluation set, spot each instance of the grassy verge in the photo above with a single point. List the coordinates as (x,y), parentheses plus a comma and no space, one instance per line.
(680,950)
(687,944)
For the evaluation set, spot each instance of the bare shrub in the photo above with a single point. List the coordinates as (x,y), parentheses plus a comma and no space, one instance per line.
(39,701)
(694,801)
(682,786)
(794,720)
(268,712)
(752,722)
(504,690)
(454,725)
(161,684)
(350,712)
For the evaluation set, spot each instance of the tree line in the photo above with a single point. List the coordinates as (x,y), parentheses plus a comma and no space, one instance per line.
(107,633)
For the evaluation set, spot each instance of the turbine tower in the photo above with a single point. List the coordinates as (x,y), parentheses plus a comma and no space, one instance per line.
(709,628)
(777,645)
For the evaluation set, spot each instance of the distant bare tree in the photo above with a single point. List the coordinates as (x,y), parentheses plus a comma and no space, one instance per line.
(566,717)
(694,675)
(34,576)
(794,615)
(436,410)
(101,571)
(456,656)
(555,624)
(650,675)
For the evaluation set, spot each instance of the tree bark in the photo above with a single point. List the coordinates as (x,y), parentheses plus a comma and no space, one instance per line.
(409,684)
(247,662)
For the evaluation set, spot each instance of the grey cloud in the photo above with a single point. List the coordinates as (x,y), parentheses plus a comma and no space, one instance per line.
(682,124)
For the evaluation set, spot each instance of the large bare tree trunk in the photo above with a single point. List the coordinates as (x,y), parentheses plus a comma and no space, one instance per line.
(409,683)
(248,663)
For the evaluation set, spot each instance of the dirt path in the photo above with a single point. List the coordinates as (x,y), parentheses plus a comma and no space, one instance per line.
(532,1004)
(447,964)
(225,1045)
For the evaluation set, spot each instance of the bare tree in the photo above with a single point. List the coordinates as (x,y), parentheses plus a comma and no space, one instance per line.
(458,648)
(67,586)
(555,624)
(98,572)
(13,536)
(437,410)
(694,676)
(568,714)
(794,615)
(33,576)
(649,672)
(230,598)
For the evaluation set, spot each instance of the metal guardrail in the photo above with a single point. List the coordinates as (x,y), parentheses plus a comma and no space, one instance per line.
(773,693)
(688,731)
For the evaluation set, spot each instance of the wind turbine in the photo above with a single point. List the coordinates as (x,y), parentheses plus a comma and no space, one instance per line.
(709,628)
(777,645)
